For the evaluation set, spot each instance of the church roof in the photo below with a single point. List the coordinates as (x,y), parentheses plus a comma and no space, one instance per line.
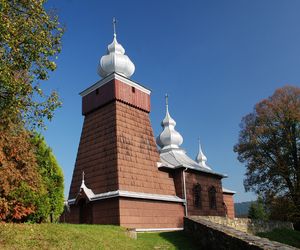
(171,155)
(174,159)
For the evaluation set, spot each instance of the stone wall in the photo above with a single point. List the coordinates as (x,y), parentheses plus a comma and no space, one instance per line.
(247,225)
(210,235)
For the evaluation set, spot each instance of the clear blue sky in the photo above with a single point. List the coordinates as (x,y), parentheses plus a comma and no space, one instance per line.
(215,59)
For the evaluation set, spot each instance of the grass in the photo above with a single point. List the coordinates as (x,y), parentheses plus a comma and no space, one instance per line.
(286,236)
(68,236)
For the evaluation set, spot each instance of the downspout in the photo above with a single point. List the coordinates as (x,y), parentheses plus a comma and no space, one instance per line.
(184,190)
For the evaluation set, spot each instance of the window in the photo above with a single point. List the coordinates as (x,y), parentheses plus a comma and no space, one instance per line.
(212,198)
(133,89)
(197,195)
(97,91)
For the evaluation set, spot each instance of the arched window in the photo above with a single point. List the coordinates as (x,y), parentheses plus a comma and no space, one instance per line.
(197,195)
(212,198)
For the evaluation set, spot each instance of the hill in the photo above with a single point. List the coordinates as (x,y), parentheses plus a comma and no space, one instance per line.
(241,209)
(67,236)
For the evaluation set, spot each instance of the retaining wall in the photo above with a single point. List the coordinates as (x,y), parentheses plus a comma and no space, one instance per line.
(210,235)
(248,225)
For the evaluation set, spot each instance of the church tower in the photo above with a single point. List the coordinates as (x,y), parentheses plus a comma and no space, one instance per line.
(116,178)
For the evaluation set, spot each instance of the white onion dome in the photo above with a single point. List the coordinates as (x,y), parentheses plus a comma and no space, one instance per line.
(115,61)
(201,158)
(169,137)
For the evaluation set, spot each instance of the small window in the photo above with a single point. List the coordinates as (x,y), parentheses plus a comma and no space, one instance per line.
(97,91)
(133,89)
(197,196)
(212,198)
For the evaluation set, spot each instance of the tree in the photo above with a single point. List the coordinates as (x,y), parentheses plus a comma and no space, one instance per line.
(20,181)
(257,210)
(31,183)
(269,146)
(52,178)
(30,39)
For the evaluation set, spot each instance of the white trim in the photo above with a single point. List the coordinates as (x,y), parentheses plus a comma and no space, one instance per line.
(227,191)
(129,194)
(111,77)
(140,230)
(161,197)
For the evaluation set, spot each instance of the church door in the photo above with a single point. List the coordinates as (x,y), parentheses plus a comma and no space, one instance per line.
(85,212)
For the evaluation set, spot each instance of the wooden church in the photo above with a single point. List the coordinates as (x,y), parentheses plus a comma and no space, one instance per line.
(120,175)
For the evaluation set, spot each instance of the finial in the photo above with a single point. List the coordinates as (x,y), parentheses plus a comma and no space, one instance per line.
(114,26)
(199,143)
(167,100)
(83,174)
(201,158)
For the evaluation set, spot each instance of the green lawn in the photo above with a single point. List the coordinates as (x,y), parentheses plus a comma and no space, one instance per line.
(285,236)
(67,236)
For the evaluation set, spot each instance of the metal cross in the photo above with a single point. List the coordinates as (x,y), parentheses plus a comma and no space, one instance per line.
(114,25)
(166,97)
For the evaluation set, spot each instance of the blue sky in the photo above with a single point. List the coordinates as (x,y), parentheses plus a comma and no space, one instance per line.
(215,59)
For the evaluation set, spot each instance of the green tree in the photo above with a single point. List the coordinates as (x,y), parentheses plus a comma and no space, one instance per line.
(257,210)
(269,146)
(30,39)
(52,202)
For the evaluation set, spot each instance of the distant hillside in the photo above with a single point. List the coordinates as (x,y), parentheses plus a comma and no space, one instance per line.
(241,209)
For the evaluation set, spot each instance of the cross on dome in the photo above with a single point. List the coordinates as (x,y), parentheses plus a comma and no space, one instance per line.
(115,61)
(114,26)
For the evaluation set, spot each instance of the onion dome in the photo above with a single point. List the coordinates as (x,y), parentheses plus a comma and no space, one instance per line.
(115,60)
(201,158)
(169,137)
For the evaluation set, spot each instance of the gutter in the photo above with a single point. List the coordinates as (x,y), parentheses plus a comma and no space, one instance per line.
(184,190)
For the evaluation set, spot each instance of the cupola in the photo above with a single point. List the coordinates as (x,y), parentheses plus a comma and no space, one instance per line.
(201,159)
(169,137)
(115,60)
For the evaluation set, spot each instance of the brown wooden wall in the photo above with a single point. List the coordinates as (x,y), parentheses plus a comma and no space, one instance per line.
(206,181)
(138,213)
(115,90)
(228,199)
(138,154)
(97,152)
(106,211)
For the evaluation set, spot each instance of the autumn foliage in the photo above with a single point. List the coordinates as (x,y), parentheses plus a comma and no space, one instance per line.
(19,178)
(269,146)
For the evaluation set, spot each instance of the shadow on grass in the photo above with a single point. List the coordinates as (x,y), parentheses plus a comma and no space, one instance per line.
(180,240)
(285,236)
